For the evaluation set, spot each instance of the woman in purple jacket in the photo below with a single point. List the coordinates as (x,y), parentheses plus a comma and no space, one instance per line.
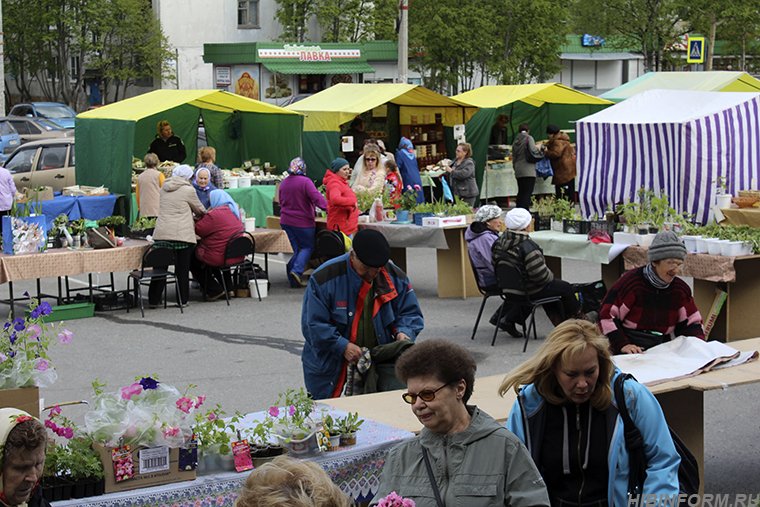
(298,198)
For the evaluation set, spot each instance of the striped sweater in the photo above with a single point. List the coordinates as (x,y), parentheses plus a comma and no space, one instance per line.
(528,258)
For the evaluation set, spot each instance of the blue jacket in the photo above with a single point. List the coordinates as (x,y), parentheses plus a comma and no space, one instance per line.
(663,460)
(329,305)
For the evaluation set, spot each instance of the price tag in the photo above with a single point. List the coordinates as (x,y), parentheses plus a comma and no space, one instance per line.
(154,459)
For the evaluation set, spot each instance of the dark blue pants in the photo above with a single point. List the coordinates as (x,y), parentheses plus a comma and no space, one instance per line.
(302,241)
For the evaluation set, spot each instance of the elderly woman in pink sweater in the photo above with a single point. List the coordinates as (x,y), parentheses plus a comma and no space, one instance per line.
(298,198)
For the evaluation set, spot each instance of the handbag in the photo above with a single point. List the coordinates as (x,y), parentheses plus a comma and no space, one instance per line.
(644,339)
(544,168)
(688,470)
(101,237)
(431,476)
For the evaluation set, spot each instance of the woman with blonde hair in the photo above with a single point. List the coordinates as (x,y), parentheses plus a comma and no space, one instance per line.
(288,482)
(369,170)
(166,145)
(567,417)
(207,159)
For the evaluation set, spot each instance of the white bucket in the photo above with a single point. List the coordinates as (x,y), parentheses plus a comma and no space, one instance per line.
(244,181)
(724,201)
(691,243)
(234,181)
(731,248)
(250,224)
(263,284)
(713,246)
(702,245)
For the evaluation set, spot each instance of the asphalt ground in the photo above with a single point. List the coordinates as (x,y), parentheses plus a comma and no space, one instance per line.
(243,355)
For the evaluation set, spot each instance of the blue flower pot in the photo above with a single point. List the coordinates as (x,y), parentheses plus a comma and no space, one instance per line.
(402,215)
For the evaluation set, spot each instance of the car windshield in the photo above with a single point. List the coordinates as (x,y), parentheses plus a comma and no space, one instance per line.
(55,111)
(47,124)
(6,128)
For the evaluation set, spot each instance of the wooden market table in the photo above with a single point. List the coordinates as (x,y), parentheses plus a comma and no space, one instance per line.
(455,277)
(682,401)
(741,216)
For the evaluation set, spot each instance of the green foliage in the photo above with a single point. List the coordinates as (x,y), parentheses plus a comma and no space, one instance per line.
(744,233)
(349,424)
(75,460)
(112,221)
(214,433)
(293,16)
(651,209)
(76,227)
(144,223)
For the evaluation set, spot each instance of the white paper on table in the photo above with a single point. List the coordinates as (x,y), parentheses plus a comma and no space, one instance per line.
(347,144)
(681,357)
(744,357)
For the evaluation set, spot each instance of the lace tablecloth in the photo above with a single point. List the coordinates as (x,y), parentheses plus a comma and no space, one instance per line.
(356,470)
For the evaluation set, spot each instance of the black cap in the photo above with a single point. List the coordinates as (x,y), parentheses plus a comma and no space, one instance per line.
(371,248)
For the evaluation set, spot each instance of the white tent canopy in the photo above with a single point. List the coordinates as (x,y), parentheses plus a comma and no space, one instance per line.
(679,142)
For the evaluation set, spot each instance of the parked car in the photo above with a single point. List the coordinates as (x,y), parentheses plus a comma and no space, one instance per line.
(9,140)
(36,129)
(50,162)
(57,112)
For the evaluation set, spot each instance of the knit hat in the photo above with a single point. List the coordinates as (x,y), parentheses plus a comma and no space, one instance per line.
(518,219)
(337,164)
(666,245)
(371,248)
(487,212)
(183,171)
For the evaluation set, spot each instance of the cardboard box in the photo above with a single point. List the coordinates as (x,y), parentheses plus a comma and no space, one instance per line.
(142,480)
(23,398)
(38,193)
(85,190)
(444,221)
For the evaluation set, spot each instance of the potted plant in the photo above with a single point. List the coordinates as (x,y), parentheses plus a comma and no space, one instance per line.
(407,203)
(422,210)
(142,227)
(293,423)
(56,230)
(348,426)
(215,434)
(116,223)
(260,437)
(542,212)
(330,425)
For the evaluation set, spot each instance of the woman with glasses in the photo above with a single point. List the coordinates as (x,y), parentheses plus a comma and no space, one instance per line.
(370,171)
(461,456)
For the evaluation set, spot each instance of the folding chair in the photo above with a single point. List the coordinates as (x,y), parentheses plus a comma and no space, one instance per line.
(241,246)
(487,292)
(153,267)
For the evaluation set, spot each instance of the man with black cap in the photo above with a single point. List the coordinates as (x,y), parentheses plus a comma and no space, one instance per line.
(649,305)
(354,301)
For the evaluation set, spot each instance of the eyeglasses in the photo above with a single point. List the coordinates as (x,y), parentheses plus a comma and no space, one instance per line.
(371,159)
(427,395)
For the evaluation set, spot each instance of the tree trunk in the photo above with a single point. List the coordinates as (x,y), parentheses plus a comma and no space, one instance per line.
(711,43)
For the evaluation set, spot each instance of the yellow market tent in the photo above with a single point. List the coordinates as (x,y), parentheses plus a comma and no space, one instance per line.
(538,105)
(238,127)
(714,81)
(329,109)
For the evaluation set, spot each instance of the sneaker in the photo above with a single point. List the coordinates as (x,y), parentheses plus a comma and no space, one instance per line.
(295,276)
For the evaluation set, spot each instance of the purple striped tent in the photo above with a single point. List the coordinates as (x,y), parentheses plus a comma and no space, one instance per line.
(679,142)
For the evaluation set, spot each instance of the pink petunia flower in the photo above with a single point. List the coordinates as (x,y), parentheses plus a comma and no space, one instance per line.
(211,416)
(131,390)
(3,357)
(65,337)
(291,410)
(274,411)
(199,401)
(41,364)
(68,433)
(171,431)
(34,331)
(54,411)
(185,404)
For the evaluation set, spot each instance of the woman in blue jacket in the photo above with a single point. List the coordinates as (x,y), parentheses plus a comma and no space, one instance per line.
(565,414)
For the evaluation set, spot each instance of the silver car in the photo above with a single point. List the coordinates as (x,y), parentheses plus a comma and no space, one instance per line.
(50,163)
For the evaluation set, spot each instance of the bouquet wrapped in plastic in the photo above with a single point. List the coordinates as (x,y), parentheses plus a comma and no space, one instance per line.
(146,413)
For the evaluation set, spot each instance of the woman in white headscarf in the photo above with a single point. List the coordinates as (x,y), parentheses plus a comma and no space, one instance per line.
(514,247)
(175,229)
(23,441)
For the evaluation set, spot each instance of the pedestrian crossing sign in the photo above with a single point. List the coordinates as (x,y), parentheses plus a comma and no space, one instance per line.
(696,50)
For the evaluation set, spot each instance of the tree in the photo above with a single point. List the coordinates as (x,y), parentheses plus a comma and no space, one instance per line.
(293,15)
(357,20)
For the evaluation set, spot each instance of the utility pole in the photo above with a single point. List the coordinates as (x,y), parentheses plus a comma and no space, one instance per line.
(403,43)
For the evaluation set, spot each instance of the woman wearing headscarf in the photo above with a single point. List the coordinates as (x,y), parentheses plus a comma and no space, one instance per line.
(298,198)
(203,186)
(215,229)
(175,229)
(342,211)
(407,165)
(524,154)
(23,442)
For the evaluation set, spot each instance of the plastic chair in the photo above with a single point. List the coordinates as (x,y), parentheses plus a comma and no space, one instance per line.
(153,268)
(328,245)
(510,281)
(240,246)
(487,292)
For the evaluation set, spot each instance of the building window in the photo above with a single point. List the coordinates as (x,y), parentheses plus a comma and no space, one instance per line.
(248,13)
(74,67)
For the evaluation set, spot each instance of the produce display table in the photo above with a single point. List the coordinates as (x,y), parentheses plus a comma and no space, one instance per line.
(739,277)
(356,470)
(682,401)
(499,181)
(92,207)
(559,245)
(741,216)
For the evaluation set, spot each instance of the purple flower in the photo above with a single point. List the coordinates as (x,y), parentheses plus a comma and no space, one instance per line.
(3,357)
(274,411)
(6,326)
(35,313)
(34,331)
(65,337)
(41,364)
(68,433)
(148,383)
(291,410)
(13,338)
(45,308)
(19,324)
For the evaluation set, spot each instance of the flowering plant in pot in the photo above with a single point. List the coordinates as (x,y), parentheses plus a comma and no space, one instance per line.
(293,423)
(330,425)
(215,433)
(24,344)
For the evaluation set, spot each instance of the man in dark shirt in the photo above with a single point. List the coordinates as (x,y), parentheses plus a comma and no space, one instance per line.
(166,145)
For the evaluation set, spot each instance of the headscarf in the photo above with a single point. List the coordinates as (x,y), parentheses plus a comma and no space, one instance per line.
(9,419)
(487,212)
(183,171)
(406,148)
(220,197)
(297,166)
(195,178)
(407,166)
(518,219)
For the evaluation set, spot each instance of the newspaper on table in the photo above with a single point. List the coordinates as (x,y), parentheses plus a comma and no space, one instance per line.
(684,356)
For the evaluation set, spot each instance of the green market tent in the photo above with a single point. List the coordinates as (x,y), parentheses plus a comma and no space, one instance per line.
(714,81)
(238,127)
(327,110)
(538,105)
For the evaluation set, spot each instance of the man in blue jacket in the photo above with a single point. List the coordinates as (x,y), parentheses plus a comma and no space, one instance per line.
(359,299)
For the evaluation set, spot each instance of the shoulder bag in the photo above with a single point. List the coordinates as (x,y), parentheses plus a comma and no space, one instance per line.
(431,476)
(688,470)
(101,237)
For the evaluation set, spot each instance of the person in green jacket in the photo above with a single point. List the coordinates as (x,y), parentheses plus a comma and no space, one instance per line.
(473,460)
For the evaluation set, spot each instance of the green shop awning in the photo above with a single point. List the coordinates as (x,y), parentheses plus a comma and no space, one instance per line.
(319,67)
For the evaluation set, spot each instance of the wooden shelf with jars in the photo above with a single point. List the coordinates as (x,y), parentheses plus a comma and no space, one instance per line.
(428,140)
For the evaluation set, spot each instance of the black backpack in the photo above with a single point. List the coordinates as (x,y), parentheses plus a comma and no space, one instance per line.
(329,244)
(688,470)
